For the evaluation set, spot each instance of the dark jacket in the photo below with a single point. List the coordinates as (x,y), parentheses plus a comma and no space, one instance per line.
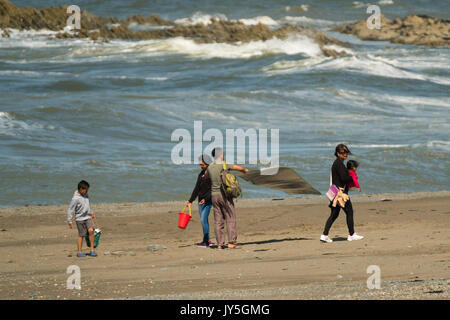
(339,175)
(202,188)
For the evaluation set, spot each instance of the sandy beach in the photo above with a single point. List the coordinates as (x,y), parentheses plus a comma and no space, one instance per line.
(144,255)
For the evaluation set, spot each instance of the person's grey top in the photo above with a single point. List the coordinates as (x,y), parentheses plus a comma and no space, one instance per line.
(79,206)
(214,170)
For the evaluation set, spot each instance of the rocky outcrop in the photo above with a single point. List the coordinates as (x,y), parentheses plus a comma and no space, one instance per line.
(96,28)
(413,29)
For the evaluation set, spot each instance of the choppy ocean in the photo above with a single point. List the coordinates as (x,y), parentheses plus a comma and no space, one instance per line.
(75,109)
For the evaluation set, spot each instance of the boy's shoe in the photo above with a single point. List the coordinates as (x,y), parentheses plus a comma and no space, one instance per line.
(325,238)
(354,237)
(202,245)
(93,254)
(81,255)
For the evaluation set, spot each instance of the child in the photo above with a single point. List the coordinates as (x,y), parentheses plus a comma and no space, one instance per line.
(83,213)
(352,165)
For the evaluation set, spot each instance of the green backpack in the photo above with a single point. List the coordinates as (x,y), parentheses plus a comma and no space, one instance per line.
(230,184)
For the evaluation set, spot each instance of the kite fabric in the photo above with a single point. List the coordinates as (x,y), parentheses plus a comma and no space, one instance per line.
(286,179)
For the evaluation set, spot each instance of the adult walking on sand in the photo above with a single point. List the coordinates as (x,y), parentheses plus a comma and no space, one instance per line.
(340,178)
(202,190)
(223,206)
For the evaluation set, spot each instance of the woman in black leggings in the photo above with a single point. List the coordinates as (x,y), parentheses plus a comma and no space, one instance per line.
(340,178)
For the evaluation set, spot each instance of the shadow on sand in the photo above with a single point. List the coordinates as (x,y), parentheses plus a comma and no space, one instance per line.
(339,239)
(274,241)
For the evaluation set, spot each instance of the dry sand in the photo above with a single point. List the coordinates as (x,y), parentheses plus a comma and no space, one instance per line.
(406,235)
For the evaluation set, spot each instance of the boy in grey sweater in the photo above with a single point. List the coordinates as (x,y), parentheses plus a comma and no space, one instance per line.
(79,206)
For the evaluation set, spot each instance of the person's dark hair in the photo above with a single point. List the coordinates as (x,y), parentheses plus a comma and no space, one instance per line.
(83,185)
(205,158)
(352,164)
(340,148)
(217,152)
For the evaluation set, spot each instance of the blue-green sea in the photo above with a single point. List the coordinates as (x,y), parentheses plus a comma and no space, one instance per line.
(104,112)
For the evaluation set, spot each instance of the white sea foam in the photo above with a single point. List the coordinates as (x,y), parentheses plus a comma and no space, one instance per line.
(213,115)
(443,145)
(123,77)
(292,66)
(411,59)
(414,101)
(36,39)
(370,146)
(359,4)
(30,73)
(385,2)
(416,65)
(339,49)
(417,61)
(380,146)
(133,26)
(370,66)
(201,18)
(301,7)
(302,20)
(434,144)
(304,7)
(205,19)
(295,44)
(8,123)
(32,34)
(84,51)
(262,19)
(363,64)
(4,115)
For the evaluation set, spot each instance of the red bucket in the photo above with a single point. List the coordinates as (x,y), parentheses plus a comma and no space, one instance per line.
(183,218)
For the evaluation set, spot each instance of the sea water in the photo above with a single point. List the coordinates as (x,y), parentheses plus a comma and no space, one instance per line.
(104,112)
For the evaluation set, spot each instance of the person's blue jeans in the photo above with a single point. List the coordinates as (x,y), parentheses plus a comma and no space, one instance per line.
(204,210)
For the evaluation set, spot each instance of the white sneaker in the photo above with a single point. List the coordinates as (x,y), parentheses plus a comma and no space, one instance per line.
(354,237)
(325,238)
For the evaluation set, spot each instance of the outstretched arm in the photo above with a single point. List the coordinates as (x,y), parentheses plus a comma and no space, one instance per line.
(239,168)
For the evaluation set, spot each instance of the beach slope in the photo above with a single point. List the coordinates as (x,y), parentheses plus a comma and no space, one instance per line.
(144,255)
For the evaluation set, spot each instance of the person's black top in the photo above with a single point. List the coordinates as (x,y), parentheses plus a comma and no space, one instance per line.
(339,175)
(202,188)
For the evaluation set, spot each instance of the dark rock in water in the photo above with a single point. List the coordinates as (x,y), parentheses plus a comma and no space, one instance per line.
(413,29)
(95,28)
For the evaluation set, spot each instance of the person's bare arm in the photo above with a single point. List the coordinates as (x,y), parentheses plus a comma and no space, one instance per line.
(239,168)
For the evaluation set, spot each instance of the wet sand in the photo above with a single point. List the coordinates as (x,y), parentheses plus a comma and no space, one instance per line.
(144,255)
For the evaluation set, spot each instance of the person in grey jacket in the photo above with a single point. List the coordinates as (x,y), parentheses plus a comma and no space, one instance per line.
(80,208)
